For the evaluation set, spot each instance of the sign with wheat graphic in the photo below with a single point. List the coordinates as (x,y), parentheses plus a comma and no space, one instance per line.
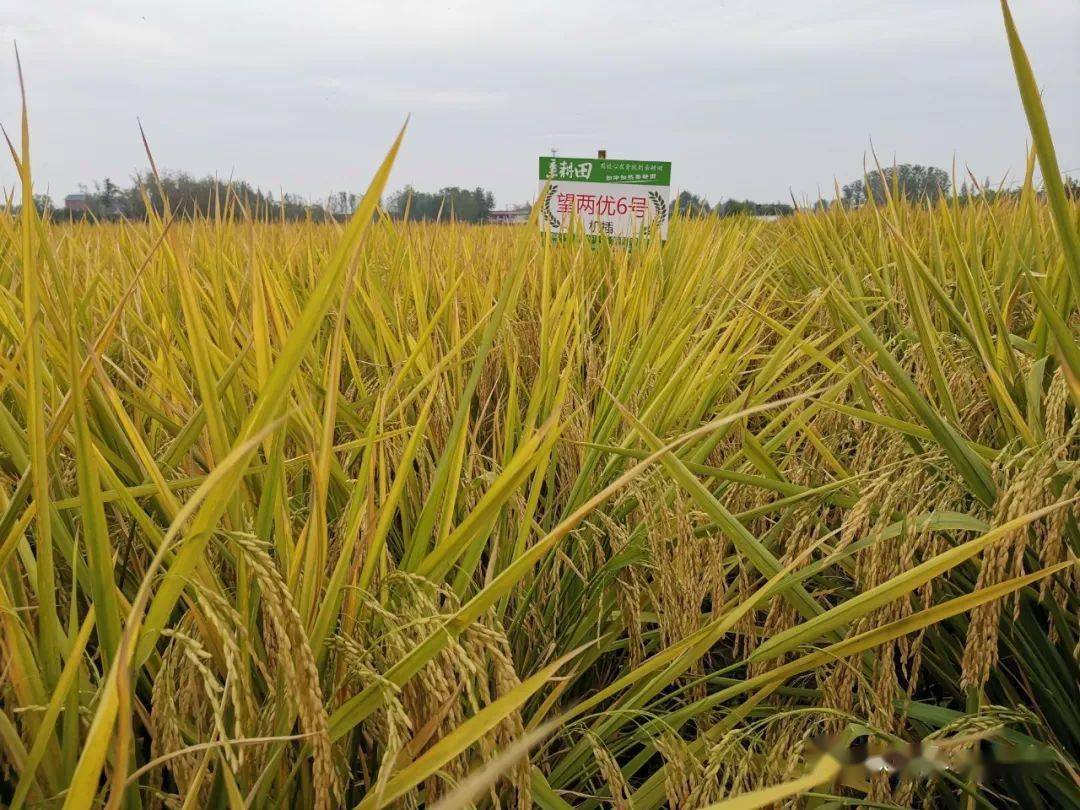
(619,198)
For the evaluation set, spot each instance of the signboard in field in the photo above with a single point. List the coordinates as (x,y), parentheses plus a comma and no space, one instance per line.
(620,198)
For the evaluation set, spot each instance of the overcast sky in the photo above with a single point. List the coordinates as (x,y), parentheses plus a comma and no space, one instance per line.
(748,98)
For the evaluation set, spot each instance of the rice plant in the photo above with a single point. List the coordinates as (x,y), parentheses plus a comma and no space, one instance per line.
(382,514)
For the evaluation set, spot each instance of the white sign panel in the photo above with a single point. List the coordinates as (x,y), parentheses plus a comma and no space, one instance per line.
(619,198)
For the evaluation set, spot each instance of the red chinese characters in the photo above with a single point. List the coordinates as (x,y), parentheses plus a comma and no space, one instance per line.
(609,205)
(600,205)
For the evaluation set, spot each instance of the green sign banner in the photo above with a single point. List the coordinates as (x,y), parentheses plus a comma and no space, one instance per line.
(604,170)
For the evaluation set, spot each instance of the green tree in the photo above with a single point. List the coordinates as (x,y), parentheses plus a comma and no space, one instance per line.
(461,204)
(730,208)
(909,181)
(342,203)
(187,196)
(42,202)
(109,198)
(690,204)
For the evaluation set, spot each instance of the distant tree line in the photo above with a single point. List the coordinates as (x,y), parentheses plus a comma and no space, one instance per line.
(915,183)
(907,181)
(187,196)
(451,202)
(690,204)
(42,203)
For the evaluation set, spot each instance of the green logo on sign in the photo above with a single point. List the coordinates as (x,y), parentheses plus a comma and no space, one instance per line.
(602,170)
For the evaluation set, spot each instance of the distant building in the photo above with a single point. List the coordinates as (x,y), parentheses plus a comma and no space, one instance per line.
(509,216)
(77,203)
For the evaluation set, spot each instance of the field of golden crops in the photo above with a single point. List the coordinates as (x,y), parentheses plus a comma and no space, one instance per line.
(382,514)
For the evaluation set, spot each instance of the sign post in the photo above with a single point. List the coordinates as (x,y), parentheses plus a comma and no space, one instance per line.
(620,198)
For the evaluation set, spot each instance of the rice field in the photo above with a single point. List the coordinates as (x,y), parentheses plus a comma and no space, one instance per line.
(382,514)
